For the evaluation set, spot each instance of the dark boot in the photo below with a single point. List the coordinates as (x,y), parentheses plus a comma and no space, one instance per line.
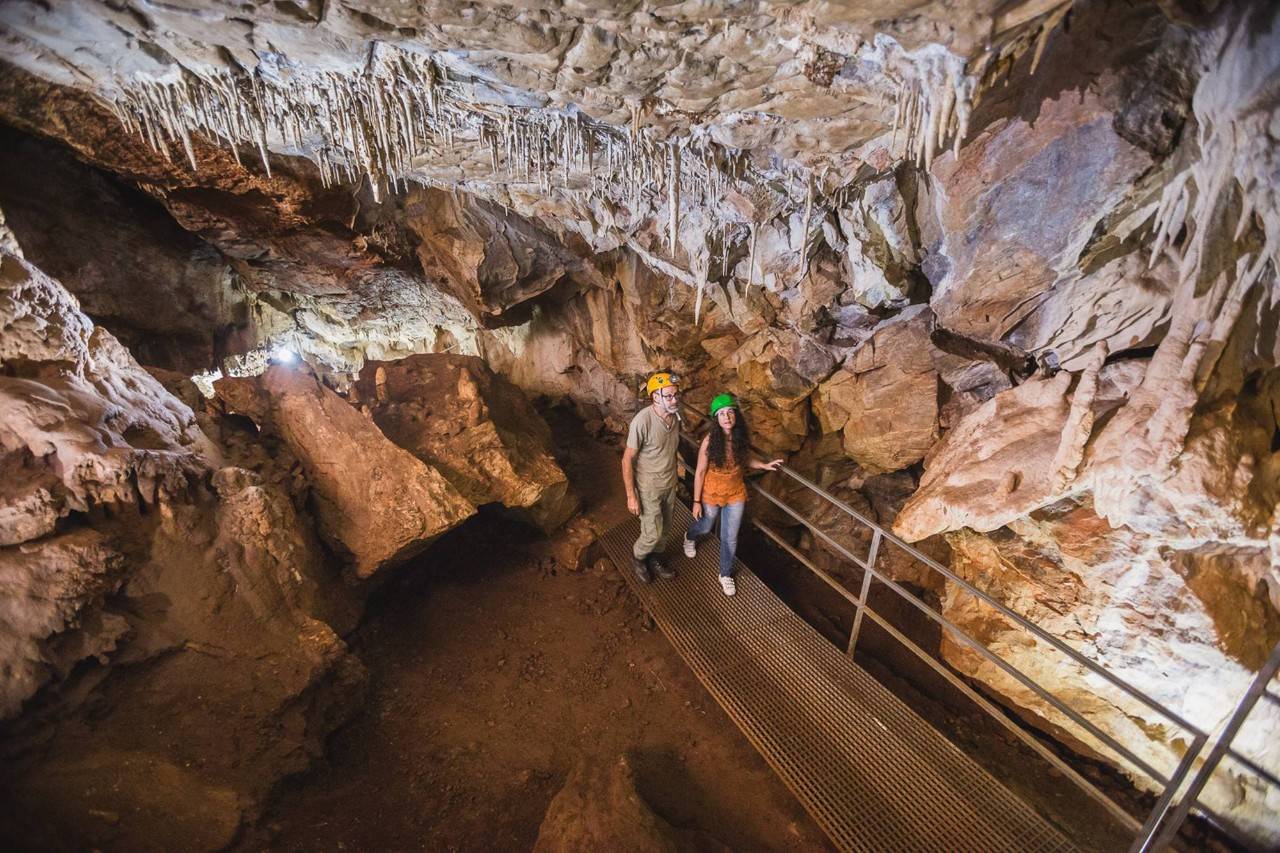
(659,567)
(641,570)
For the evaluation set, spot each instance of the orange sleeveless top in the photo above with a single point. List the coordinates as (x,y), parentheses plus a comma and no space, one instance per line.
(722,486)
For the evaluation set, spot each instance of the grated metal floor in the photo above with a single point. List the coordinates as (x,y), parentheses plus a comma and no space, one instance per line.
(874,775)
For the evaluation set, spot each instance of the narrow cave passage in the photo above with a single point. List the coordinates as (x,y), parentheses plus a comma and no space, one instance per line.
(344,348)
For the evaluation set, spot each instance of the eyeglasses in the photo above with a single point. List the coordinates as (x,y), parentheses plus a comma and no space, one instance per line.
(664,395)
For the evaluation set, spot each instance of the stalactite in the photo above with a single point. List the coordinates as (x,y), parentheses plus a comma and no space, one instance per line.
(936,91)
(701,272)
(808,214)
(402,106)
(673,197)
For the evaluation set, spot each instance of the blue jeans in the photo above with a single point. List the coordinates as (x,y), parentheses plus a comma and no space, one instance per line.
(730,516)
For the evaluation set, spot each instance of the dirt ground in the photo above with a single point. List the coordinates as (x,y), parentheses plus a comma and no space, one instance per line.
(493,672)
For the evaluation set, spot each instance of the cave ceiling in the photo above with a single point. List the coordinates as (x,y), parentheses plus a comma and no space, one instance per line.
(675,130)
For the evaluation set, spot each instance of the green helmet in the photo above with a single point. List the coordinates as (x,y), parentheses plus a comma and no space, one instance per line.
(723,401)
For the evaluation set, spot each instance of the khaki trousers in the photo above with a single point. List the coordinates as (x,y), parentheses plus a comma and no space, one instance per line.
(656,505)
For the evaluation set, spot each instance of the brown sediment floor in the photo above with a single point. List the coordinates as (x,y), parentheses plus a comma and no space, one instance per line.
(493,672)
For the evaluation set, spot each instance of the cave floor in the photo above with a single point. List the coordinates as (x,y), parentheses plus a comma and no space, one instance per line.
(493,672)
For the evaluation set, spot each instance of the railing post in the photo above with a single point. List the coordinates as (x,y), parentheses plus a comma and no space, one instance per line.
(1145,842)
(866,590)
(1162,828)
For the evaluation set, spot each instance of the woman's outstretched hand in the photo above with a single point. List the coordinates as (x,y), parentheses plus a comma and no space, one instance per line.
(771,465)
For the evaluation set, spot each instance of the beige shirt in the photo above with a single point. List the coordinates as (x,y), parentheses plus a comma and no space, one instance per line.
(655,444)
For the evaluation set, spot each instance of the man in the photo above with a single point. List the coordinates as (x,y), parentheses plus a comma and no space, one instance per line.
(649,472)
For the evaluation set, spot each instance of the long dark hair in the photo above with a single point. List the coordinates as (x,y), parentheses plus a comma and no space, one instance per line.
(740,435)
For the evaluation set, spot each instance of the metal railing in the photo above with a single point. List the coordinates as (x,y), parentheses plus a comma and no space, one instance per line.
(1179,791)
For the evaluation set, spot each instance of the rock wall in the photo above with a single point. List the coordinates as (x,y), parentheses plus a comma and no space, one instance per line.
(142,575)
(170,648)
(1001,276)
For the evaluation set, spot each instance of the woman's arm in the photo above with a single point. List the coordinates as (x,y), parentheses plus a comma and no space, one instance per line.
(756,464)
(699,473)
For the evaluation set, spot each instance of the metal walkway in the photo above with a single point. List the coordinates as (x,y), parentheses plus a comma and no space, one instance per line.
(873,774)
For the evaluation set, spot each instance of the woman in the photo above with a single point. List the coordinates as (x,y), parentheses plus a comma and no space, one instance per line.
(719,490)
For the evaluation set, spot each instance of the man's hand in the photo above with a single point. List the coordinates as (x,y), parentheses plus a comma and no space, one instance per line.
(681,468)
(633,504)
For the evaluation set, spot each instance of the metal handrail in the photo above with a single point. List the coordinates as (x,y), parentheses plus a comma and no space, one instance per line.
(1165,804)
(1020,620)
(1162,828)
(955,681)
(1009,669)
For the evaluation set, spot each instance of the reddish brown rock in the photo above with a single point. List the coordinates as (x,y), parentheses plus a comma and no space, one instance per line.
(52,611)
(81,427)
(599,808)
(493,261)
(209,579)
(1186,627)
(375,502)
(884,400)
(994,466)
(475,428)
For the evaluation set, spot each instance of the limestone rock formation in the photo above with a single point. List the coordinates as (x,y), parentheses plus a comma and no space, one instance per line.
(1139,609)
(1113,517)
(884,400)
(121,254)
(1001,255)
(376,503)
(147,588)
(83,428)
(53,611)
(1003,275)
(599,808)
(497,262)
(475,428)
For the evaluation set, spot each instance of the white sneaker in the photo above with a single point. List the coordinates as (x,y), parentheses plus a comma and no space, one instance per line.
(727,584)
(690,548)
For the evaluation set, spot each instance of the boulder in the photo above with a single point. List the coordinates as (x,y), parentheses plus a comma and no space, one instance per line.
(375,502)
(1020,450)
(884,399)
(599,808)
(480,431)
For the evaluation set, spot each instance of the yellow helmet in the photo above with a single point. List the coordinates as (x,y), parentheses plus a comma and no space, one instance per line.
(661,380)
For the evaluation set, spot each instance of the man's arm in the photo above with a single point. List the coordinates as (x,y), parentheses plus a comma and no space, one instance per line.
(699,474)
(629,480)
